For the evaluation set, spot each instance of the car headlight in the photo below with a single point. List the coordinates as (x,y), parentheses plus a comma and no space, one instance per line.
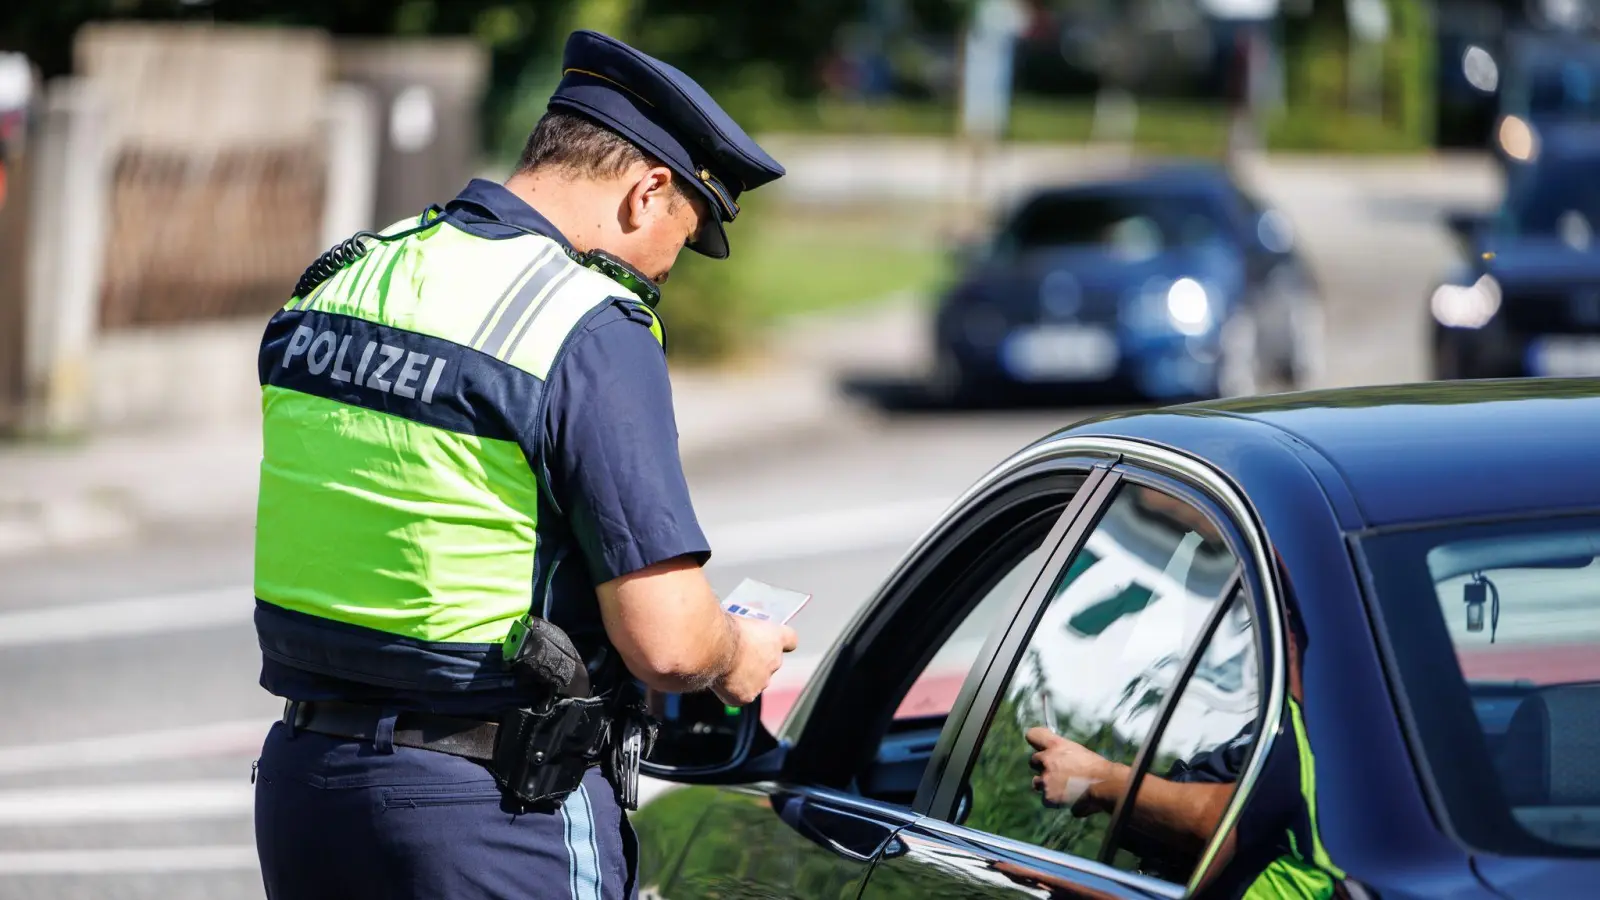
(1188,307)
(1467,307)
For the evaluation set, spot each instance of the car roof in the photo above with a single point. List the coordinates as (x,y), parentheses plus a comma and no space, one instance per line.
(1405,453)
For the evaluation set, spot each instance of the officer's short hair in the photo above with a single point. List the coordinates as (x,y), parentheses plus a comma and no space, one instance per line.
(582,147)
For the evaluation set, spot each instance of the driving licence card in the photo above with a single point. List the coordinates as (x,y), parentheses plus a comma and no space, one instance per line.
(759,600)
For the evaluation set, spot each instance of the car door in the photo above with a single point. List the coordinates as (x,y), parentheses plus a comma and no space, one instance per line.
(862,736)
(1136,643)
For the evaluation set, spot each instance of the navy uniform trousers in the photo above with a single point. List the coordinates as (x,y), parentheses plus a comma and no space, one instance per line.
(346,819)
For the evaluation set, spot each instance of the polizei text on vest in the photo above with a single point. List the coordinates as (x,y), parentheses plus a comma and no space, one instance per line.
(377,366)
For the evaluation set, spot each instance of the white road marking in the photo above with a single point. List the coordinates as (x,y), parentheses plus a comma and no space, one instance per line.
(146,802)
(132,861)
(239,738)
(165,614)
(736,544)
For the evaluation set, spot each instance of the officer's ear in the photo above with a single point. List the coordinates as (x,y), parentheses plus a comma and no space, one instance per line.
(651,197)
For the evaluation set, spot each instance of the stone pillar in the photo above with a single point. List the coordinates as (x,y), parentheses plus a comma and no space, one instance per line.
(69,162)
(350,126)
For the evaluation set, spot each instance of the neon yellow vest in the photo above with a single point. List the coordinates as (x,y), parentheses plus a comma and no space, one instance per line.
(402,406)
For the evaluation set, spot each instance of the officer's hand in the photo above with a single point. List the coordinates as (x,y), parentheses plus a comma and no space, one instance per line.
(759,654)
(1070,774)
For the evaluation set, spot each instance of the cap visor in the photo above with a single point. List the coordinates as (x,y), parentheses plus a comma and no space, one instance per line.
(713,239)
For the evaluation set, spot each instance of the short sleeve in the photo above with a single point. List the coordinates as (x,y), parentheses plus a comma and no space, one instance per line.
(611,449)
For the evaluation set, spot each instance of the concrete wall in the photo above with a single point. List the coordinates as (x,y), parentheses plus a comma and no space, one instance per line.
(157,236)
(219,165)
(426,94)
(199,374)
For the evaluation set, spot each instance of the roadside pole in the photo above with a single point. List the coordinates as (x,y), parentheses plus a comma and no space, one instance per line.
(986,72)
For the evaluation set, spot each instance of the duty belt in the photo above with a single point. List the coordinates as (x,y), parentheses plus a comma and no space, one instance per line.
(537,757)
(467,738)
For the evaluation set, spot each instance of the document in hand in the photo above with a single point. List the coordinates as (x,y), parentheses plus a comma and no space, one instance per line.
(759,600)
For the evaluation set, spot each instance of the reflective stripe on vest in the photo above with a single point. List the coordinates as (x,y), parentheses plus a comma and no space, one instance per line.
(398,519)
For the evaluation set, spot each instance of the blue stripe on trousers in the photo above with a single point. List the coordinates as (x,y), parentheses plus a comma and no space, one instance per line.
(583,854)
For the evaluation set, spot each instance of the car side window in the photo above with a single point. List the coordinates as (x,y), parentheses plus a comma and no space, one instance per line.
(1199,754)
(974,605)
(1120,618)
(936,686)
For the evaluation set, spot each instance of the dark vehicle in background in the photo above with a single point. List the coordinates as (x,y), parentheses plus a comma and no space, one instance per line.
(1372,611)
(1171,281)
(1548,79)
(1526,298)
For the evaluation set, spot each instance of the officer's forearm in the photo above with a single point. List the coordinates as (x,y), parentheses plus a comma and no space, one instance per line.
(669,627)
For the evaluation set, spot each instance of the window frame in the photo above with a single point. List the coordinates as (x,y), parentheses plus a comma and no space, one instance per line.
(831,751)
(1193,481)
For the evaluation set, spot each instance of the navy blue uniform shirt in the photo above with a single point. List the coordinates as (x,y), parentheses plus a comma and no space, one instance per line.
(611,456)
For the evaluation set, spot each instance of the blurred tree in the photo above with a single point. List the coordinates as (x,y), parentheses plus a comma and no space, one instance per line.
(1409,97)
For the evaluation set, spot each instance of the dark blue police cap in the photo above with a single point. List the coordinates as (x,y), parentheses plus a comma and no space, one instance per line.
(667,115)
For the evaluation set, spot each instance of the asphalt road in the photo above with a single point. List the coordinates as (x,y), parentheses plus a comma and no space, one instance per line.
(132,713)
(130,705)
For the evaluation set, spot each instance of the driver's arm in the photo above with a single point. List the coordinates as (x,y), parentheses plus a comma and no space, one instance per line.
(1179,816)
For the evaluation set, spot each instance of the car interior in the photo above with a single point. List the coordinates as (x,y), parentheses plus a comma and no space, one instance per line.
(1539,724)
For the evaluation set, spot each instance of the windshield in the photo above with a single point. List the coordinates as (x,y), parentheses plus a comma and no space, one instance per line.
(1129,224)
(1495,631)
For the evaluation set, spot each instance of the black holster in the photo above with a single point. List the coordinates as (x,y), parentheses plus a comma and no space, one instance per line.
(541,754)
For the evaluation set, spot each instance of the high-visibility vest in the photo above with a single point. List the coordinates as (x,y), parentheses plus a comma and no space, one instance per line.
(398,532)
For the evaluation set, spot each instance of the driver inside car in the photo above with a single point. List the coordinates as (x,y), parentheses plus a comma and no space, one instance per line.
(1275,840)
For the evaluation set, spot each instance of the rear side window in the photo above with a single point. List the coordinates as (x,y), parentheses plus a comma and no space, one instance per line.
(1495,633)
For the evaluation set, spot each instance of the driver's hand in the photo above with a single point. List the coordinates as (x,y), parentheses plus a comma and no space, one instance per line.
(1071,774)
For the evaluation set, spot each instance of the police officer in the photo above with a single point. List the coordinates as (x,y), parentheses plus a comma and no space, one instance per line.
(474,530)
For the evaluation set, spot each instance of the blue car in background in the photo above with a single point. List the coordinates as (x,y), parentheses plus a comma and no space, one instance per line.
(1525,298)
(1171,282)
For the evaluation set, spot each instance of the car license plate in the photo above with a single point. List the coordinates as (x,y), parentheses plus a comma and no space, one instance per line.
(1061,352)
(1564,356)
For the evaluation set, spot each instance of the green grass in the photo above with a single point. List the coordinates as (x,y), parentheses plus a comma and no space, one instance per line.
(793,269)
(790,262)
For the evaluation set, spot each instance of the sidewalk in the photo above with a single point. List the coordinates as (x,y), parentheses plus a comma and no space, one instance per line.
(115,487)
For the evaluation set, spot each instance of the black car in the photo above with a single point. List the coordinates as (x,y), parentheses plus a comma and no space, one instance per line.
(1525,300)
(1171,282)
(1341,643)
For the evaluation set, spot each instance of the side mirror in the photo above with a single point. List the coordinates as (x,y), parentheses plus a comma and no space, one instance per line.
(703,741)
(1274,232)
